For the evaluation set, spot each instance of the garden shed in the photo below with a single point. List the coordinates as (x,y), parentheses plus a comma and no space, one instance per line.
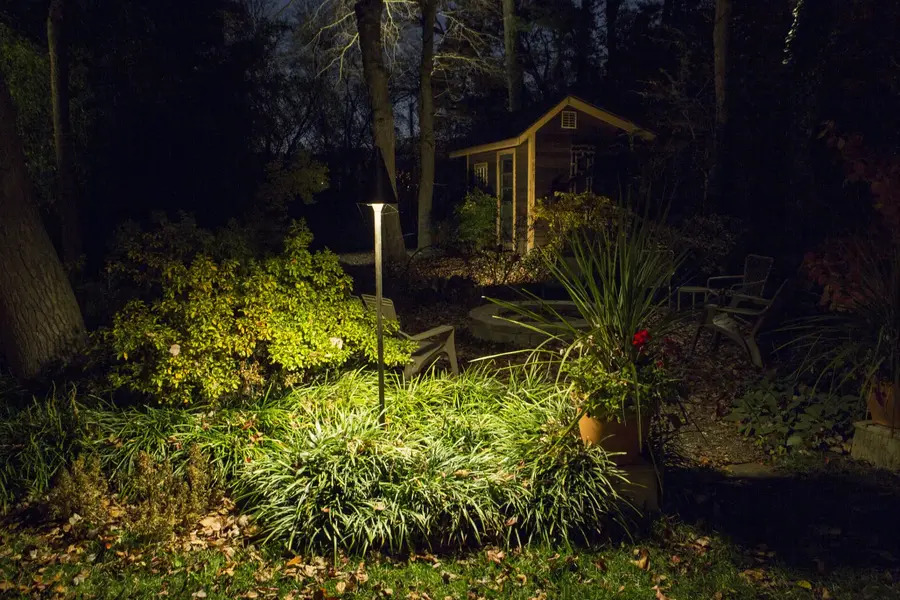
(535,154)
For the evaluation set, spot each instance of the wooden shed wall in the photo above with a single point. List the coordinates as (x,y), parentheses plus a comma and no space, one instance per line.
(554,146)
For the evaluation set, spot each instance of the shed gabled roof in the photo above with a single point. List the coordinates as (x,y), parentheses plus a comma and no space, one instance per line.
(569,101)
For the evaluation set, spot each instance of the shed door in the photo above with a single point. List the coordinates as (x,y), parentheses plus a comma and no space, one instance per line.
(506,199)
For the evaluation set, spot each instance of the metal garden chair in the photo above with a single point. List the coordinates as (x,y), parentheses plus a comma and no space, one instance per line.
(431,343)
(751,283)
(741,320)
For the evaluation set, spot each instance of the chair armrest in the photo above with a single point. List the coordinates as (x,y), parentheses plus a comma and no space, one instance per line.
(434,331)
(721,280)
(734,310)
(752,299)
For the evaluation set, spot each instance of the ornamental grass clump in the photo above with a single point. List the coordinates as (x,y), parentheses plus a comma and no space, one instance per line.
(460,461)
(36,442)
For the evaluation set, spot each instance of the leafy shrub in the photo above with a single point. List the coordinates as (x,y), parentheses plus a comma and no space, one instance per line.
(567,213)
(783,416)
(477,221)
(221,327)
(858,340)
(166,501)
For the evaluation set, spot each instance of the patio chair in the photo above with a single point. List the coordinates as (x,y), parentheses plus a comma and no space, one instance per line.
(751,283)
(741,320)
(431,344)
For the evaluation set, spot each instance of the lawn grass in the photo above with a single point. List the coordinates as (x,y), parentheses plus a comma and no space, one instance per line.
(675,561)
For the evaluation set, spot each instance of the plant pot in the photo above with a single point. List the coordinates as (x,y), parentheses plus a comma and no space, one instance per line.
(614,436)
(882,405)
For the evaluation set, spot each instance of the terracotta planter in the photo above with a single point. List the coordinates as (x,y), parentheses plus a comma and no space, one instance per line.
(882,405)
(614,436)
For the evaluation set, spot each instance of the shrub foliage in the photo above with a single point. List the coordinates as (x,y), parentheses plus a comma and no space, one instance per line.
(477,221)
(218,327)
(782,415)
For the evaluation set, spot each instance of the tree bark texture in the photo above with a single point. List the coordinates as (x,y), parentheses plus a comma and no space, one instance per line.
(612,38)
(426,122)
(40,321)
(66,188)
(514,83)
(368,23)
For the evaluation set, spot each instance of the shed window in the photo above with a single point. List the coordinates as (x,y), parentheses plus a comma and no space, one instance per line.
(569,119)
(481,173)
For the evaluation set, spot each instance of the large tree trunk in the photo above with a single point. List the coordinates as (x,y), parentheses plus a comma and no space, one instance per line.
(40,321)
(612,38)
(721,42)
(514,83)
(426,122)
(368,23)
(66,190)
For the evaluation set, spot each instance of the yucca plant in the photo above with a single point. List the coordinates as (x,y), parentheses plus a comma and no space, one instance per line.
(618,279)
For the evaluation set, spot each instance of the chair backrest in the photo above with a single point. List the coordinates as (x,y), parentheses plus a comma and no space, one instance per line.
(756,273)
(771,309)
(387,306)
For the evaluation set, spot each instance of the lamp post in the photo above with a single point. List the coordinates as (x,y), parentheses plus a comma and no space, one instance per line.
(378,209)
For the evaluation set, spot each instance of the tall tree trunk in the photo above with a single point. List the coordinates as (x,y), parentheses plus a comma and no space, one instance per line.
(612,38)
(368,23)
(426,122)
(40,321)
(721,42)
(514,82)
(66,189)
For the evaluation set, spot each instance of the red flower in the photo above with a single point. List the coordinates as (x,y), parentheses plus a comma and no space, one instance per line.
(640,339)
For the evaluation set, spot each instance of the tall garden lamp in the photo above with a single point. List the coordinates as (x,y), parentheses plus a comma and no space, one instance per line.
(383,197)
(378,210)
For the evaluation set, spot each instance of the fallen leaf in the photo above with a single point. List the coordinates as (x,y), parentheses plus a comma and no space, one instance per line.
(643,559)
(293,562)
(804,584)
(659,594)
(199,594)
(211,523)
(495,555)
(601,564)
(340,587)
